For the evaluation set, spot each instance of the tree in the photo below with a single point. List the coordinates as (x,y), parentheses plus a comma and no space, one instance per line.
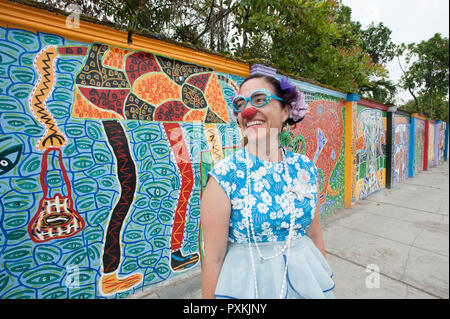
(313,39)
(309,38)
(427,77)
(376,41)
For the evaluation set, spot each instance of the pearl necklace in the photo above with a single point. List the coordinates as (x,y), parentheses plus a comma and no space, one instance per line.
(250,227)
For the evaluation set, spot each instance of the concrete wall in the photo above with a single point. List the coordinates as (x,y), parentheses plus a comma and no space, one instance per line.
(370,151)
(401,148)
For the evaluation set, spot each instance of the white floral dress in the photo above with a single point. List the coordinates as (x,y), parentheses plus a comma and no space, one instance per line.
(271,218)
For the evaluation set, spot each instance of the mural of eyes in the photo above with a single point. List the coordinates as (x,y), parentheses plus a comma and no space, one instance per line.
(155,191)
(134,250)
(9,158)
(21,74)
(159,150)
(9,103)
(147,134)
(75,130)
(17,122)
(47,254)
(144,217)
(102,157)
(15,202)
(82,162)
(133,235)
(26,184)
(43,275)
(85,186)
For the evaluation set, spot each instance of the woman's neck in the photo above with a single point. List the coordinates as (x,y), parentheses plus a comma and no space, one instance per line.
(270,153)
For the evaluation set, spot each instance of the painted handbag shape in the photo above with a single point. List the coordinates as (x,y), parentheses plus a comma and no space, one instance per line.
(56,218)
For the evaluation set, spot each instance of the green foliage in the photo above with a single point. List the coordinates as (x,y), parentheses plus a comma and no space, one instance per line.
(427,77)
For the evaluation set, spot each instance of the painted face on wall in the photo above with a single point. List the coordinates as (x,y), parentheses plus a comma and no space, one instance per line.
(265,121)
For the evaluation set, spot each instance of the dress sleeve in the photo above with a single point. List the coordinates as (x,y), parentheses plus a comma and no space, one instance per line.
(222,173)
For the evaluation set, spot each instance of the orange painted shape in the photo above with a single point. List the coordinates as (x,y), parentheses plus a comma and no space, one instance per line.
(114,57)
(195,116)
(156,88)
(360,143)
(111,283)
(83,109)
(215,99)
(44,65)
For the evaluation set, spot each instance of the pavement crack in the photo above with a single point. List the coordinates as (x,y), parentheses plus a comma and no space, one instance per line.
(409,253)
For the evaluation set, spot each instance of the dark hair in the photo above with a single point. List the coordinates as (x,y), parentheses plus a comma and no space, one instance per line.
(288,96)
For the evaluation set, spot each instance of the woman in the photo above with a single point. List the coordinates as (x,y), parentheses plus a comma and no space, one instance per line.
(261,226)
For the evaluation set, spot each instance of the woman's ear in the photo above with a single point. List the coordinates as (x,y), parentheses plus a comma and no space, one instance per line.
(285,113)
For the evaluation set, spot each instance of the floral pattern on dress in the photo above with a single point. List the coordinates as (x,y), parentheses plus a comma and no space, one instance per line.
(268,195)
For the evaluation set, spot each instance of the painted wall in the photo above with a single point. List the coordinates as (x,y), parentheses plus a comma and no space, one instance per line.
(419,143)
(324,144)
(431,146)
(441,141)
(400,148)
(102,153)
(370,151)
(105,151)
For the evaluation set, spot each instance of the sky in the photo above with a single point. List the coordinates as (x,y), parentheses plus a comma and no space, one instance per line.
(409,20)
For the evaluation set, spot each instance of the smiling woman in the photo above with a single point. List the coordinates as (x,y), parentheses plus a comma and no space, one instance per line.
(261,206)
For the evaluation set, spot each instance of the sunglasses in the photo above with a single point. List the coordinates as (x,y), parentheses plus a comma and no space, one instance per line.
(258,98)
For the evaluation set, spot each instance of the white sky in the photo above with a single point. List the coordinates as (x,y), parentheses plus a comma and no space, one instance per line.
(409,20)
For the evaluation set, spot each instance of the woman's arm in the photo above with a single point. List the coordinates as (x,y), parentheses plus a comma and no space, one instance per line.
(314,232)
(215,209)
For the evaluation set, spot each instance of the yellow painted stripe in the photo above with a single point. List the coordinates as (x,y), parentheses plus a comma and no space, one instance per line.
(213,137)
(349,151)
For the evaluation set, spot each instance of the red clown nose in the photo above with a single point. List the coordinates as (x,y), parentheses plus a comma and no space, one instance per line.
(248,113)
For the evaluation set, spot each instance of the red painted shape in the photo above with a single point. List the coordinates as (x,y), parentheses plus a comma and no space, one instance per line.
(200,81)
(72,50)
(179,148)
(56,217)
(106,99)
(171,111)
(140,63)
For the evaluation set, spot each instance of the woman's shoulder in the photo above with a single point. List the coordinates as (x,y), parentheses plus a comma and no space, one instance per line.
(302,161)
(228,163)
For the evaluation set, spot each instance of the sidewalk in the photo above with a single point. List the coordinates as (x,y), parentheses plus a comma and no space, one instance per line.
(402,234)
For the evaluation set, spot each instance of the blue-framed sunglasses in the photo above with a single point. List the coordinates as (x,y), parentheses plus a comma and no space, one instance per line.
(258,98)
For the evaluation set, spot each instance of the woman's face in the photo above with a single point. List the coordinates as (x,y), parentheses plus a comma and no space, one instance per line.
(268,119)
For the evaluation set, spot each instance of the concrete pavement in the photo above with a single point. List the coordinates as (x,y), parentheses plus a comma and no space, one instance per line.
(392,245)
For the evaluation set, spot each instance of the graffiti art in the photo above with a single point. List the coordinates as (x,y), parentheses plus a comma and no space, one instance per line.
(100,193)
(370,151)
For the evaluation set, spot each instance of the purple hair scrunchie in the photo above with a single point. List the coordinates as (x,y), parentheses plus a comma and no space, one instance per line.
(286,85)
(298,107)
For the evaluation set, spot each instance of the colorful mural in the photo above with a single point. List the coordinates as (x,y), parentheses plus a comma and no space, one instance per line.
(431,145)
(370,151)
(419,139)
(101,152)
(441,142)
(323,143)
(401,149)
